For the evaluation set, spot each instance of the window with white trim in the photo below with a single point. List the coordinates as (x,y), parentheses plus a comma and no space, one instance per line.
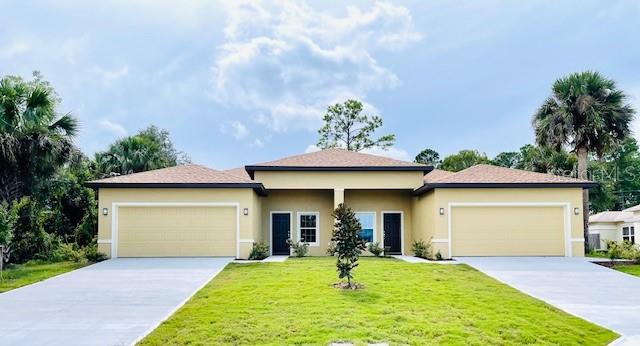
(629,234)
(367,221)
(308,230)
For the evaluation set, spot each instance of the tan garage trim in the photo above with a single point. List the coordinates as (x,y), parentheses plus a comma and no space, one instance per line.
(566,213)
(116,205)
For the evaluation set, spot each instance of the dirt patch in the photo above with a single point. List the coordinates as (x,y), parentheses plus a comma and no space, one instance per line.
(345,286)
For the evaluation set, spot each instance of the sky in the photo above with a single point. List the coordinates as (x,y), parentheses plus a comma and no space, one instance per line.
(238,83)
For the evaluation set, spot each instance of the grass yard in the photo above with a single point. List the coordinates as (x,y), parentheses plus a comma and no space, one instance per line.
(293,303)
(633,269)
(19,275)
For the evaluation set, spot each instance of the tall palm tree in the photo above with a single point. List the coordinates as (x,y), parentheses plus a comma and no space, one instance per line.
(587,113)
(35,140)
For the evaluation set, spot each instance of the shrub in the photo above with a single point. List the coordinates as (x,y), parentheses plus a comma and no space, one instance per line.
(349,244)
(439,255)
(259,251)
(622,250)
(375,249)
(299,249)
(87,229)
(6,224)
(67,252)
(92,254)
(421,249)
(30,241)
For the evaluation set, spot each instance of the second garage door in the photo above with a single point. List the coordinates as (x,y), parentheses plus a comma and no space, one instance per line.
(184,231)
(507,231)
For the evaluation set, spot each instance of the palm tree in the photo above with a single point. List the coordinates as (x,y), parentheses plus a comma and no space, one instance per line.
(35,140)
(588,113)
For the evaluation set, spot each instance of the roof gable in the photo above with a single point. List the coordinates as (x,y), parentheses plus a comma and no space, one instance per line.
(488,176)
(183,176)
(337,160)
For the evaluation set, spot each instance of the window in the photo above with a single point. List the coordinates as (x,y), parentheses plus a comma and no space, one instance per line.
(629,234)
(308,228)
(368,221)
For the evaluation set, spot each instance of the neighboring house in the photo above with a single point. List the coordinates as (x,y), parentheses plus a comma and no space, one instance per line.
(615,225)
(484,210)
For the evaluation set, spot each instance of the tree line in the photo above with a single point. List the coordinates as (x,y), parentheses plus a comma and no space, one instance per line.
(46,212)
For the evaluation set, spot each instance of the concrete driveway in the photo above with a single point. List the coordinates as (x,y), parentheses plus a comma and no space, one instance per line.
(115,302)
(595,293)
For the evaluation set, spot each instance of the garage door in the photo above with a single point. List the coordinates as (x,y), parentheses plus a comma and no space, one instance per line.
(507,231)
(176,231)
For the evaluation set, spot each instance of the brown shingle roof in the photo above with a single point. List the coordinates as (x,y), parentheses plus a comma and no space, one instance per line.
(338,158)
(239,172)
(436,174)
(185,174)
(493,176)
(484,173)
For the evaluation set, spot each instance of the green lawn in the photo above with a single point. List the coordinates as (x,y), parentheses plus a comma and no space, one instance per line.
(633,269)
(293,303)
(19,275)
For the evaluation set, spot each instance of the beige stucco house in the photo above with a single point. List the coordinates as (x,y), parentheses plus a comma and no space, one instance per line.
(615,225)
(484,210)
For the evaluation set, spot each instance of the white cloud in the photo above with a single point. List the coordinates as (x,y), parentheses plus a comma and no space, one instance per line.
(393,152)
(311,148)
(235,128)
(288,60)
(110,76)
(15,48)
(634,100)
(73,47)
(257,143)
(113,127)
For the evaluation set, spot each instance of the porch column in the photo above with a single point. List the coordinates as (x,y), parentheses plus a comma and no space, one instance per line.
(338,197)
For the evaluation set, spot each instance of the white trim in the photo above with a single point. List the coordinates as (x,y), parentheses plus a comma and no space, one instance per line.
(317,214)
(439,240)
(577,240)
(565,205)
(247,241)
(271,227)
(375,220)
(401,227)
(104,241)
(116,205)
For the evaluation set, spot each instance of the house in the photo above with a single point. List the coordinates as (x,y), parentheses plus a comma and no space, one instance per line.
(615,225)
(484,210)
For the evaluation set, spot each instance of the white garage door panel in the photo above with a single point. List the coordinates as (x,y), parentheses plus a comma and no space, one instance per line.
(508,231)
(159,231)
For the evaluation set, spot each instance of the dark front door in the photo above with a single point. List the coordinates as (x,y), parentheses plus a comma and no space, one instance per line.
(281,228)
(391,227)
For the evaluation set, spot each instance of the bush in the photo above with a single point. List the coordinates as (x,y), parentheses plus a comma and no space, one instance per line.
(6,224)
(331,249)
(439,255)
(622,250)
(299,249)
(421,249)
(92,254)
(87,229)
(30,241)
(67,252)
(259,251)
(375,249)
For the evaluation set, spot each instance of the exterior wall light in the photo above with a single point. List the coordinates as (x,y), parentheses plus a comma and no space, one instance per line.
(105,211)
(576,211)
(245,211)
(441,211)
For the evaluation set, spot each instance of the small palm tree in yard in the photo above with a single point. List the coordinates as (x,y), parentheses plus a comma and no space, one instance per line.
(587,113)
(348,245)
